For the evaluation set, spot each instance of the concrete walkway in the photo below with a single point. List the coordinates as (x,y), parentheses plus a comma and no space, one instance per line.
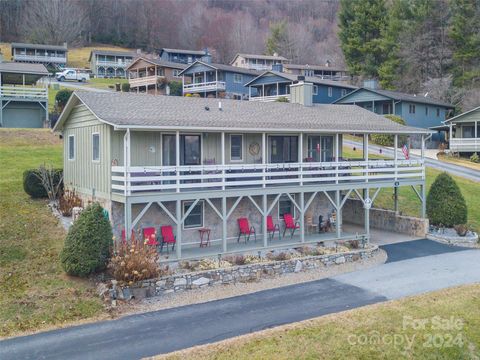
(163,331)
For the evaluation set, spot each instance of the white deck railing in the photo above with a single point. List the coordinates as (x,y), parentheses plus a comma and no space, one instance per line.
(143,81)
(21,92)
(259,67)
(40,58)
(218,177)
(465,144)
(113,63)
(269,98)
(204,86)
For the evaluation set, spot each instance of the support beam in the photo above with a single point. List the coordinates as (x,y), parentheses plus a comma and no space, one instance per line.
(424,201)
(300,154)
(170,215)
(264,158)
(179,228)
(366,206)
(224,224)
(223,158)
(140,215)
(339,213)
(264,220)
(302,217)
(365,154)
(128,219)
(177,159)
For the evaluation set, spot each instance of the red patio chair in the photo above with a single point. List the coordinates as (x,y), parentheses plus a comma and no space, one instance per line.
(167,237)
(290,224)
(246,230)
(150,236)
(271,228)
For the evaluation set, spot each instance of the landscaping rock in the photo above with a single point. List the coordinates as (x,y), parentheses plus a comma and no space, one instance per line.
(298,266)
(102,289)
(139,293)
(180,282)
(340,260)
(201,281)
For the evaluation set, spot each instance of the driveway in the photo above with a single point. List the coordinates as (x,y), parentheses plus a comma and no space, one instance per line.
(141,335)
(75,85)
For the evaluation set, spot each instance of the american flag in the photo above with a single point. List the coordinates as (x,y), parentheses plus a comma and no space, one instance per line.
(405,151)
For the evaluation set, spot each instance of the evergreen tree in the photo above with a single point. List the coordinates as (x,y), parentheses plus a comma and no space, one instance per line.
(362,23)
(279,41)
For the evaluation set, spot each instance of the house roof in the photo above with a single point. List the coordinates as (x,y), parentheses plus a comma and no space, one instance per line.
(310,79)
(158,62)
(39,46)
(23,68)
(261,57)
(184,51)
(141,111)
(462,114)
(110,52)
(399,96)
(312,67)
(223,67)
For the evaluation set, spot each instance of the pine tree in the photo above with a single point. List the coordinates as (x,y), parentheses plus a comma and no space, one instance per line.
(279,41)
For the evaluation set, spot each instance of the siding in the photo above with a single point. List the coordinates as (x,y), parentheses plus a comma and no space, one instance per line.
(22,114)
(470,117)
(419,118)
(363,95)
(82,173)
(322,95)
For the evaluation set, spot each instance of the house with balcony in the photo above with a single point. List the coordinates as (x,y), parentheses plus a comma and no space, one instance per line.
(463,132)
(110,63)
(54,56)
(208,79)
(152,76)
(23,98)
(257,62)
(416,110)
(182,56)
(196,165)
(275,84)
(326,71)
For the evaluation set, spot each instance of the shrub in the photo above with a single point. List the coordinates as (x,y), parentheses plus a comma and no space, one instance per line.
(87,246)
(125,87)
(475,158)
(461,229)
(235,259)
(388,140)
(175,88)
(134,262)
(445,203)
(62,97)
(32,184)
(68,201)
(282,99)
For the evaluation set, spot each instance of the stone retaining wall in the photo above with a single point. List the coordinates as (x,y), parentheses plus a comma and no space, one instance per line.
(242,273)
(354,213)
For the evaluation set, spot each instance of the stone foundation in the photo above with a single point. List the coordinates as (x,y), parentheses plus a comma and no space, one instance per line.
(353,212)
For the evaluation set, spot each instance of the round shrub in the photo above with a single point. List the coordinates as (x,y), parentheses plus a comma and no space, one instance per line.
(32,184)
(388,140)
(87,246)
(176,88)
(62,97)
(125,87)
(445,203)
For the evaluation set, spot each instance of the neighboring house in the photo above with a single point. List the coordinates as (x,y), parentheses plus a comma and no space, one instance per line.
(182,56)
(420,111)
(48,55)
(464,131)
(257,62)
(110,63)
(23,103)
(217,80)
(323,71)
(200,163)
(272,85)
(153,75)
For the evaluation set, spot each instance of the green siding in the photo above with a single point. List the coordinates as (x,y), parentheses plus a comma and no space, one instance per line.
(470,117)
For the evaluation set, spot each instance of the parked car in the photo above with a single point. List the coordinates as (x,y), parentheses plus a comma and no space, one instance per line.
(72,74)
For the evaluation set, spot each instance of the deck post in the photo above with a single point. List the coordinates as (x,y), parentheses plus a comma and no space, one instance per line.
(337,156)
(128,218)
(223,159)
(424,200)
(338,206)
(302,216)
(300,154)
(365,155)
(177,159)
(178,213)
(127,163)
(224,224)
(366,206)
(264,159)
(423,157)
(395,159)
(264,219)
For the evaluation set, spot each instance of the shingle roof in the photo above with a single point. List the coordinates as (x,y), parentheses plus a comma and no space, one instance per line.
(23,68)
(184,51)
(261,57)
(159,62)
(396,95)
(111,53)
(312,67)
(224,67)
(172,112)
(309,79)
(39,46)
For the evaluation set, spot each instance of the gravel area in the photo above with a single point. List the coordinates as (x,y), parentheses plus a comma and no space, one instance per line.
(225,291)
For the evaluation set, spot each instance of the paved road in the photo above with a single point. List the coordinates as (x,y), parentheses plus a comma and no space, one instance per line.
(78,86)
(136,336)
(453,169)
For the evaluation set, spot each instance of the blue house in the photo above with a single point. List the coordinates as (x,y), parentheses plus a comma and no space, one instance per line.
(217,80)
(419,111)
(182,56)
(274,84)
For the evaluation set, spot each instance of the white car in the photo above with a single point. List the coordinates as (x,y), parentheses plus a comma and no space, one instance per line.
(73,75)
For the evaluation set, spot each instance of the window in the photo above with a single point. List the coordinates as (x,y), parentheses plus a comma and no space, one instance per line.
(96,147)
(237,78)
(344,92)
(330,91)
(315,90)
(176,72)
(426,110)
(71,147)
(283,149)
(236,147)
(468,131)
(411,109)
(320,148)
(195,218)
(438,112)
(286,206)
(190,149)
(386,108)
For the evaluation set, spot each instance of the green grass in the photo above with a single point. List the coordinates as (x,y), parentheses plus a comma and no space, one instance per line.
(34,291)
(102,83)
(342,336)
(78,57)
(462,161)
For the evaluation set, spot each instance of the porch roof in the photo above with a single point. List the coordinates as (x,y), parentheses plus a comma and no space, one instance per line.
(310,79)
(159,62)
(149,112)
(221,67)
(460,116)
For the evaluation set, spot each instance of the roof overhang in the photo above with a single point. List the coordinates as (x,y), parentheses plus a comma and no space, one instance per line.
(196,62)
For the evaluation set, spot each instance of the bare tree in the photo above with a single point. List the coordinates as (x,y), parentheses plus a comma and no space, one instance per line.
(54,21)
(51,180)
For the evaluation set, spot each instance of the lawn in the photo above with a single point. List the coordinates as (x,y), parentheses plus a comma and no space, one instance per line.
(34,291)
(78,57)
(6,51)
(451,331)
(459,161)
(102,83)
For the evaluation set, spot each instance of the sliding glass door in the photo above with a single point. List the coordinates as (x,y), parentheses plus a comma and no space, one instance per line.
(190,150)
(320,148)
(283,149)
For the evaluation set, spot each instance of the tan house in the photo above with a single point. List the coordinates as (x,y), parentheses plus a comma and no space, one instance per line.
(258,62)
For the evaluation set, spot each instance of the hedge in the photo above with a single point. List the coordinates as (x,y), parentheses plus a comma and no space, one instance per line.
(32,184)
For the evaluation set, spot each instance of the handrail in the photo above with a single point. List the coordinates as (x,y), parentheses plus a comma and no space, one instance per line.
(23,92)
(269,98)
(210,85)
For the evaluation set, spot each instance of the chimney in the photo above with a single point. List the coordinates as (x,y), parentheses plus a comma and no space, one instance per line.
(277,67)
(207,58)
(275,54)
(65,45)
(301,93)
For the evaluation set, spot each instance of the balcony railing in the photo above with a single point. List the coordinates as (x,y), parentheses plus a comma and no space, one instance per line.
(269,98)
(259,67)
(20,92)
(138,179)
(204,86)
(143,81)
(117,64)
(465,144)
(40,58)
